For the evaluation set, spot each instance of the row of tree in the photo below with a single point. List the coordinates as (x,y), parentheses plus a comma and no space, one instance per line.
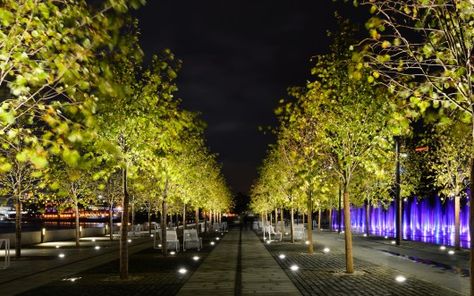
(84,122)
(410,81)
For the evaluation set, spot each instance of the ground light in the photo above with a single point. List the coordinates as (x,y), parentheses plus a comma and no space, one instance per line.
(385,237)
(61,255)
(172,253)
(282,256)
(93,240)
(393,242)
(326,250)
(294,267)
(97,247)
(451,252)
(151,235)
(182,270)
(72,279)
(195,258)
(159,245)
(269,242)
(213,243)
(400,278)
(365,235)
(129,240)
(306,242)
(442,248)
(217,238)
(57,247)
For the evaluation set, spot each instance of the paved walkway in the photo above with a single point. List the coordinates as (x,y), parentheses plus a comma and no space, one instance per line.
(240,265)
(41,265)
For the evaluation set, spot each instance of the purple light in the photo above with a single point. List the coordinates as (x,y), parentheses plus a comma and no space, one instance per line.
(426,220)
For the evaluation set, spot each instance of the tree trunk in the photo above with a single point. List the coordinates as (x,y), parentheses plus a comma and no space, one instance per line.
(282,221)
(164,215)
(133,217)
(124,229)
(330,219)
(367,217)
(310,224)
(348,232)
(398,200)
(78,229)
(302,214)
(319,219)
(18,207)
(457,222)
(292,225)
(196,219)
(149,221)
(111,221)
(339,216)
(276,219)
(471,220)
(184,218)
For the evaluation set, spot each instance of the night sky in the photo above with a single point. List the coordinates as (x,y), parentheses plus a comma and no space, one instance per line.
(239,57)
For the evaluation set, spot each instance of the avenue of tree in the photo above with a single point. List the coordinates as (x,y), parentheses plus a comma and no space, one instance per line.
(84,122)
(409,82)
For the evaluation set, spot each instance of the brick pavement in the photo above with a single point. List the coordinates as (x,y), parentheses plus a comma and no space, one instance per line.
(323,274)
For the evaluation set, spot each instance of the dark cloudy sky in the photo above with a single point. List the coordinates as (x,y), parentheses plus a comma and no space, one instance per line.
(238,59)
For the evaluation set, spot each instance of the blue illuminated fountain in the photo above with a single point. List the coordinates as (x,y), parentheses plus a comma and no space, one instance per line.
(428,220)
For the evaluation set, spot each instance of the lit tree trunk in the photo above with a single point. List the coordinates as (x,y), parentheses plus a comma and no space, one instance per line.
(111,220)
(276,218)
(18,207)
(398,200)
(196,219)
(184,217)
(149,220)
(164,215)
(76,213)
(330,219)
(319,219)
(124,229)
(348,231)
(310,224)
(292,225)
(367,217)
(302,214)
(457,222)
(282,221)
(133,217)
(471,218)
(339,216)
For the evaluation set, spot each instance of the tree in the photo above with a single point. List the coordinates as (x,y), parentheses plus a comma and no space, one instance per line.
(423,50)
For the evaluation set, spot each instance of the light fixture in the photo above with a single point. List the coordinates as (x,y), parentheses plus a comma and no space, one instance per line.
(286,233)
(72,279)
(326,250)
(151,235)
(97,247)
(451,252)
(442,248)
(365,235)
(57,247)
(294,267)
(61,255)
(213,243)
(195,258)
(282,256)
(93,240)
(182,270)
(269,242)
(385,237)
(306,242)
(400,278)
(172,253)
(218,238)
(393,242)
(129,240)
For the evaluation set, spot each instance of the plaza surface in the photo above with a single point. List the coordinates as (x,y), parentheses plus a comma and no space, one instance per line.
(240,263)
